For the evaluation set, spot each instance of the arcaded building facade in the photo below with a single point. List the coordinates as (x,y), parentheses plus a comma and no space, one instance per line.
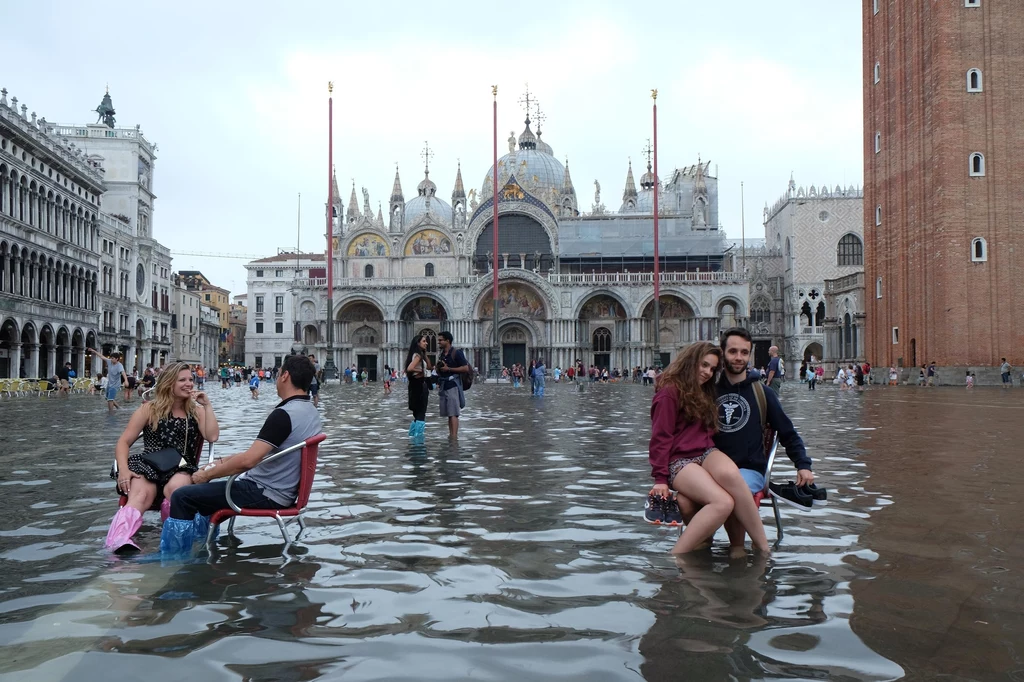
(943,134)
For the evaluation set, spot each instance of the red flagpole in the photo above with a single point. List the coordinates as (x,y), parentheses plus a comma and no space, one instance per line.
(495,350)
(657,267)
(329,366)
(495,219)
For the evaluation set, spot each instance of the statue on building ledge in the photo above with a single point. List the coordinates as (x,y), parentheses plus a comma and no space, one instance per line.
(106,111)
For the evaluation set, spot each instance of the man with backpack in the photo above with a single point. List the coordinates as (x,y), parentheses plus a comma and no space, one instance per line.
(455,377)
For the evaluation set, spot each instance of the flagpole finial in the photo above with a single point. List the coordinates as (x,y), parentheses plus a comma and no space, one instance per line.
(494,90)
(654,94)
(330,87)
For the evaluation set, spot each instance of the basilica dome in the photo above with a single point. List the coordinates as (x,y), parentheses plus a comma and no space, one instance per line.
(537,171)
(426,201)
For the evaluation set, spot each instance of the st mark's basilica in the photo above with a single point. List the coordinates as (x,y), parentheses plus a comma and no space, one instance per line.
(574,282)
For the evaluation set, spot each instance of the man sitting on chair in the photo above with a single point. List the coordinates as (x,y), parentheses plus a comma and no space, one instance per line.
(740,432)
(273,485)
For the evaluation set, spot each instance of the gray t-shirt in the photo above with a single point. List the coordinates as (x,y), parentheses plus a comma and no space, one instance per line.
(292,421)
(1005,368)
(114,372)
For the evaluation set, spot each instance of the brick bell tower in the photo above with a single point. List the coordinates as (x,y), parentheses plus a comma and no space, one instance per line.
(944,182)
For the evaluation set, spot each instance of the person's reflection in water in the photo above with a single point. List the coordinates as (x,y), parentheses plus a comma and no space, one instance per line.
(266,603)
(703,615)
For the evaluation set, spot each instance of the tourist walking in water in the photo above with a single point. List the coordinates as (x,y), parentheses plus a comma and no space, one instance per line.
(539,372)
(774,369)
(115,375)
(452,367)
(417,367)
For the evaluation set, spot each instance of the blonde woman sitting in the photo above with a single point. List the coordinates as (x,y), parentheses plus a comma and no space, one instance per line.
(171,425)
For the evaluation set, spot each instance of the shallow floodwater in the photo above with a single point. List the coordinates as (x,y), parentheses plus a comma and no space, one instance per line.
(520,553)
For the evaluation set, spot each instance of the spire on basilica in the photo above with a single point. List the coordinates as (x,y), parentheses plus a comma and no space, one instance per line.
(460,191)
(630,191)
(527,140)
(396,189)
(568,205)
(426,188)
(647,180)
(380,216)
(106,110)
(539,116)
(352,214)
(459,201)
(396,205)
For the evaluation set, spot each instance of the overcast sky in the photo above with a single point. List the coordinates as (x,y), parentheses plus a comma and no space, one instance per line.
(235,94)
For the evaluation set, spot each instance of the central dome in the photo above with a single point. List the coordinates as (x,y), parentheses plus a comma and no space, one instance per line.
(538,172)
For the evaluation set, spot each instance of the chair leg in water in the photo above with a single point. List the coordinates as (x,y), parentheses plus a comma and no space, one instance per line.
(284,531)
(123,527)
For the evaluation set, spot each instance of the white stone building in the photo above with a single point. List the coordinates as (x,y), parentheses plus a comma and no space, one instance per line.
(49,247)
(276,321)
(819,236)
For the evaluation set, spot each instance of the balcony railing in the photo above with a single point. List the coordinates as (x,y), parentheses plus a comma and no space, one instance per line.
(109,329)
(125,332)
(812,330)
(575,279)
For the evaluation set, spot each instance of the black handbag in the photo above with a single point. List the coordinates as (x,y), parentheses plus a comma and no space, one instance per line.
(164,461)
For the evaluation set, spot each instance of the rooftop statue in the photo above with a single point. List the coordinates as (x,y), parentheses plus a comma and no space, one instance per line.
(106,111)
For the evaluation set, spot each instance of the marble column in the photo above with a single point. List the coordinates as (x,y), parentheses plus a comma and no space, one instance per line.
(15,356)
(31,354)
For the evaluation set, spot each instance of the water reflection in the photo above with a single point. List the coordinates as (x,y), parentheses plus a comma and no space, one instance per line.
(517,552)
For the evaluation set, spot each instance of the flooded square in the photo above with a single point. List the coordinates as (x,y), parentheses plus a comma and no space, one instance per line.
(520,552)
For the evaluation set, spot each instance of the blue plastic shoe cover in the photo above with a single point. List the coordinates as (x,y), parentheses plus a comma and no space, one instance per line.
(177,536)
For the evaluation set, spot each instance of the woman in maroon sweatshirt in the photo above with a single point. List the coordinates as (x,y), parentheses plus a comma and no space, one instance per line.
(683,454)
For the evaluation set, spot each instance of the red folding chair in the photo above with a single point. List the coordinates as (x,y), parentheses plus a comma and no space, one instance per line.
(309,449)
(156,505)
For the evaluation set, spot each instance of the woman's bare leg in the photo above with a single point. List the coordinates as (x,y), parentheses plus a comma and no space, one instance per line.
(725,472)
(177,480)
(697,485)
(141,493)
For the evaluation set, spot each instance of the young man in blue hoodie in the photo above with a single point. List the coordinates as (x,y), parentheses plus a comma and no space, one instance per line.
(740,434)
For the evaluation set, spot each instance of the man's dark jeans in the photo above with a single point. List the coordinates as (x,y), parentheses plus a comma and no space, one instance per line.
(206,498)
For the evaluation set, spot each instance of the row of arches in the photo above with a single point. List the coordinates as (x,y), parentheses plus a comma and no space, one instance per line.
(35,204)
(605,331)
(39,276)
(26,351)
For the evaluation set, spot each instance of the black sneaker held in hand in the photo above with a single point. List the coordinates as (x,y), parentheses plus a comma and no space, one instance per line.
(654,510)
(791,495)
(673,517)
(818,495)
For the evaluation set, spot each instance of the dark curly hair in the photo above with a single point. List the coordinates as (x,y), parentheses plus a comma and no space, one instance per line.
(696,401)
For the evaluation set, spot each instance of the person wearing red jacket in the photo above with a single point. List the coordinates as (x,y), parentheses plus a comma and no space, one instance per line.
(684,458)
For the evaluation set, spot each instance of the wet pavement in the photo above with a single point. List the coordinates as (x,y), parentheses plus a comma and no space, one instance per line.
(519,553)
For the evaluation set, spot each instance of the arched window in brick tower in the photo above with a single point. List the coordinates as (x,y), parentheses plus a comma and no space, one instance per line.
(977,164)
(850,250)
(974,81)
(979,250)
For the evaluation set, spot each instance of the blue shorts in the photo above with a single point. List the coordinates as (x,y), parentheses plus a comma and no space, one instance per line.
(111,392)
(314,389)
(754,479)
